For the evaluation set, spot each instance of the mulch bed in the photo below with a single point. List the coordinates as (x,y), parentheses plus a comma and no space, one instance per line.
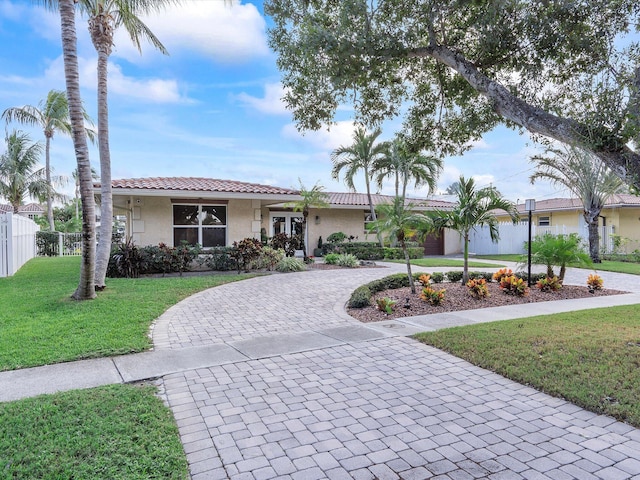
(457,298)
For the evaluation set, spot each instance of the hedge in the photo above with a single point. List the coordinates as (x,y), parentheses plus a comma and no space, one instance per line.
(371,250)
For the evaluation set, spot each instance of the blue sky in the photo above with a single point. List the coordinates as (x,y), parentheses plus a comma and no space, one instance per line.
(212,107)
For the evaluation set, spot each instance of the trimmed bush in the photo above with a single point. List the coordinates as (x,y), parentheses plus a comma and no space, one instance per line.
(454,276)
(437,277)
(219,259)
(360,298)
(488,276)
(331,258)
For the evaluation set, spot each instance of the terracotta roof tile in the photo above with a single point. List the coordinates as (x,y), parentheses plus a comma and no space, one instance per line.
(28,208)
(361,199)
(553,204)
(198,184)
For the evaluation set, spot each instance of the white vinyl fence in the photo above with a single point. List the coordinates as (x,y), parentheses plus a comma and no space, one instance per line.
(17,242)
(513,237)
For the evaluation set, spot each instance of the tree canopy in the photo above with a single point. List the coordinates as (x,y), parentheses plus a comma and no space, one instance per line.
(456,68)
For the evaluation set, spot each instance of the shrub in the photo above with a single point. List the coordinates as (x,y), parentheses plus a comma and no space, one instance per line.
(47,244)
(385,304)
(478,288)
(434,297)
(549,284)
(425,279)
(291,264)
(485,275)
(337,237)
(269,258)
(219,259)
(437,277)
(503,272)
(331,258)
(282,241)
(245,252)
(360,298)
(389,282)
(595,282)
(534,276)
(454,276)
(347,260)
(127,261)
(514,286)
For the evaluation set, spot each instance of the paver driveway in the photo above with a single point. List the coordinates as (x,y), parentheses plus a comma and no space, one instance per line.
(383,408)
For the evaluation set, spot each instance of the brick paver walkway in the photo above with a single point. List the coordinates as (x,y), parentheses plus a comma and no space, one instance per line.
(390,408)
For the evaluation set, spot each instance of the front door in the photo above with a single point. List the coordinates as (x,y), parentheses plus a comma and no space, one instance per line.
(286,222)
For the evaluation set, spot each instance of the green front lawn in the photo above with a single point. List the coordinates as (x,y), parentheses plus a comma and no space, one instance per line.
(448,262)
(40,324)
(632,268)
(588,357)
(117,432)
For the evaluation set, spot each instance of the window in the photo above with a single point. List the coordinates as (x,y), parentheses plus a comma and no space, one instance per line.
(368,220)
(202,224)
(544,221)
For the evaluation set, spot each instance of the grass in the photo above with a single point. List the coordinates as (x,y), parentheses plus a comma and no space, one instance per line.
(447,262)
(116,432)
(632,268)
(40,324)
(590,358)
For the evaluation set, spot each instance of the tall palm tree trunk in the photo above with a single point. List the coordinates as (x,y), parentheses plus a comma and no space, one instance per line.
(106,204)
(594,238)
(372,209)
(86,289)
(47,157)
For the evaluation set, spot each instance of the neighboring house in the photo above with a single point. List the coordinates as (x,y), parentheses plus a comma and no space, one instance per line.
(215,212)
(620,216)
(30,210)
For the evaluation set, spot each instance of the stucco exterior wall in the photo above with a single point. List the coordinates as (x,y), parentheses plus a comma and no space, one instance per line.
(349,222)
(628,227)
(151,220)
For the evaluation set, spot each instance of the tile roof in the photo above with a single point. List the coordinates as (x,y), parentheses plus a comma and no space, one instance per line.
(553,204)
(28,208)
(198,184)
(361,199)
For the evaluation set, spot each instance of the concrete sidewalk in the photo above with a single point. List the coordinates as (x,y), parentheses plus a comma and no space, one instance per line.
(30,382)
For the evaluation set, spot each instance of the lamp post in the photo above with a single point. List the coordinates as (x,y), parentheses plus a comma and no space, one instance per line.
(529,206)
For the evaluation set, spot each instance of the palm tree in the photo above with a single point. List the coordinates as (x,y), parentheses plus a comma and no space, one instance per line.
(50,115)
(405,166)
(86,287)
(587,177)
(401,222)
(474,208)
(311,198)
(361,155)
(18,174)
(105,16)
(76,180)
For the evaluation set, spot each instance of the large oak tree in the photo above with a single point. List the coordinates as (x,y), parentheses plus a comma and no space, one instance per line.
(456,68)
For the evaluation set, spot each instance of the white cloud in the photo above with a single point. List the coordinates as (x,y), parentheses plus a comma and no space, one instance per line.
(271,103)
(228,34)
(324,139)
(154,90)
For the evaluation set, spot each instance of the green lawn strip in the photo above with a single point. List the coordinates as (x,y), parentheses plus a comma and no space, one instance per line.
(448,262)
(616,266)
(115,432)
(632,268)
(40,324)
(590,357)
